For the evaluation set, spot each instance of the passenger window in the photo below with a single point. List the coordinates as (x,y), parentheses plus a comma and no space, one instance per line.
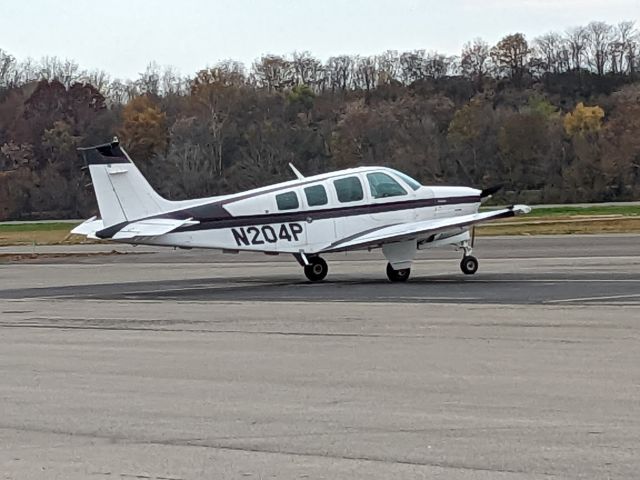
(287,201)
(349,189)
(316,195)
(383,186)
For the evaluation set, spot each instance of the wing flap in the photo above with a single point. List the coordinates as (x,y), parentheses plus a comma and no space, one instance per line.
(408,231)
(151,228)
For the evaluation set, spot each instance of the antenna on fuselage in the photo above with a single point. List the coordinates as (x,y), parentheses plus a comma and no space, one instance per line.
(298,175)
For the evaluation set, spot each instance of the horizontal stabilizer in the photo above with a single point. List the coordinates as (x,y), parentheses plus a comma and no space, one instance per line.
(151,227)
(89,228)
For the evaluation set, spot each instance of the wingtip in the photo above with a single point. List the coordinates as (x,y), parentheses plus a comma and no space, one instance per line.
(521,209)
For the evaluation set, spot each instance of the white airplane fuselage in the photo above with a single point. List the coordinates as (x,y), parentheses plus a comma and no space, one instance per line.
(252,220)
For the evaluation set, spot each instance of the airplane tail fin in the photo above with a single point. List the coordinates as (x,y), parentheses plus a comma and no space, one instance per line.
(122,192)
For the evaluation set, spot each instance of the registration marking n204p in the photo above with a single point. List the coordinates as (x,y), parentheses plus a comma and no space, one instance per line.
(288,232)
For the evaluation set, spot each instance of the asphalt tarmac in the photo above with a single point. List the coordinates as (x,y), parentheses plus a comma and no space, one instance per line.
(169,364)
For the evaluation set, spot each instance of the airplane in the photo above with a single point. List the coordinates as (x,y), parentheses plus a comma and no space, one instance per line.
(360,208)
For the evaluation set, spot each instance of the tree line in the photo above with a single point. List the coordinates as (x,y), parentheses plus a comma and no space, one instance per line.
(556,119)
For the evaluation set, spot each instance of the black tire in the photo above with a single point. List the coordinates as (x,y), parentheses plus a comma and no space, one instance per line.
(316,270)
(469,265)
(401,275)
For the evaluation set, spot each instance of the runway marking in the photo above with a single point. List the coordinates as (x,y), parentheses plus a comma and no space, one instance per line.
(589,299)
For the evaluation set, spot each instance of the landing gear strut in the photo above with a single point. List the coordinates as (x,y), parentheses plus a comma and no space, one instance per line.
(316,270)
(469,263)
(401,275)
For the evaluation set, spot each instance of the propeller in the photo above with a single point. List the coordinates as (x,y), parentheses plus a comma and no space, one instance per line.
(487,192)
(485,195)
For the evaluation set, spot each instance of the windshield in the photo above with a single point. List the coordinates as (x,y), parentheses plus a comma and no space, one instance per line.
(414,184)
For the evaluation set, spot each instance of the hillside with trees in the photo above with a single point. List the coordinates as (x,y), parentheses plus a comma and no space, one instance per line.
(555,119)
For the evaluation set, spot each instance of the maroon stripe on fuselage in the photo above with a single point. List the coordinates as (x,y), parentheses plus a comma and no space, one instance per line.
(321,214)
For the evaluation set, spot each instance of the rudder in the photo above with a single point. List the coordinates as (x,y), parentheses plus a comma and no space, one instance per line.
(123,194)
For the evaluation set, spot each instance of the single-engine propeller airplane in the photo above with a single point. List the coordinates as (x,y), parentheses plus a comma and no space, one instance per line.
(355,209)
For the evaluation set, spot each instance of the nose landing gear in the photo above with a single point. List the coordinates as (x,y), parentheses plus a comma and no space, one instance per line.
(469,265)
(316,269)
(401,275)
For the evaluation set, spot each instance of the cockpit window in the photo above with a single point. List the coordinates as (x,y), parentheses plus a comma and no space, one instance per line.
(384,186)
(349,189)
(414,184)
(287,201)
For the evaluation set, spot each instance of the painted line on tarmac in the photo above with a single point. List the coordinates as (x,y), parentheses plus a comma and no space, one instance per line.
(595,299)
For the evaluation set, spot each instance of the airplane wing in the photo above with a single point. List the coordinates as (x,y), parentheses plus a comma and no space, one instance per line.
(151,228)
(422,229)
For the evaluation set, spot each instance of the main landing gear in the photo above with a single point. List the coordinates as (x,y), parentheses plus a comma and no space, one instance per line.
(469,263)
(401,275)
(316,269)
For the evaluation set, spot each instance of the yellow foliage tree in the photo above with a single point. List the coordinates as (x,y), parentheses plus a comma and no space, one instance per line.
(583,120)
(144,129)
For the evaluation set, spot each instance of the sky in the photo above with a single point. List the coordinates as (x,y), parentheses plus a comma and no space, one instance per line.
(123,36)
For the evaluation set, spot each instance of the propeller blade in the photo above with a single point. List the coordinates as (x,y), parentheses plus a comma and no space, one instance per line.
(487,192)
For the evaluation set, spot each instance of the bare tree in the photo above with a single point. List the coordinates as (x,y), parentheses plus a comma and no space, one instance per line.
(149,81)
(307,70)
(599,45)
(553,51)
(99,79)
(7,69)
(577,40)
(474,60)
(366,73)
(389,66)
(171,82)
(65,71)
(437,65)
(340,72)
(412,66)
(117,92)
(625,50)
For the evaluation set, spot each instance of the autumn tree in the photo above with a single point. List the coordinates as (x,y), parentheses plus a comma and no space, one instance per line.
(511,57)
(143,129)
(472,135)
(583,120)
(620,138)
(273,73)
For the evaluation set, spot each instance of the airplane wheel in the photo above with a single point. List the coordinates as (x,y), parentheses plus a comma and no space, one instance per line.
(469,265)
(401,275)
(316,270)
